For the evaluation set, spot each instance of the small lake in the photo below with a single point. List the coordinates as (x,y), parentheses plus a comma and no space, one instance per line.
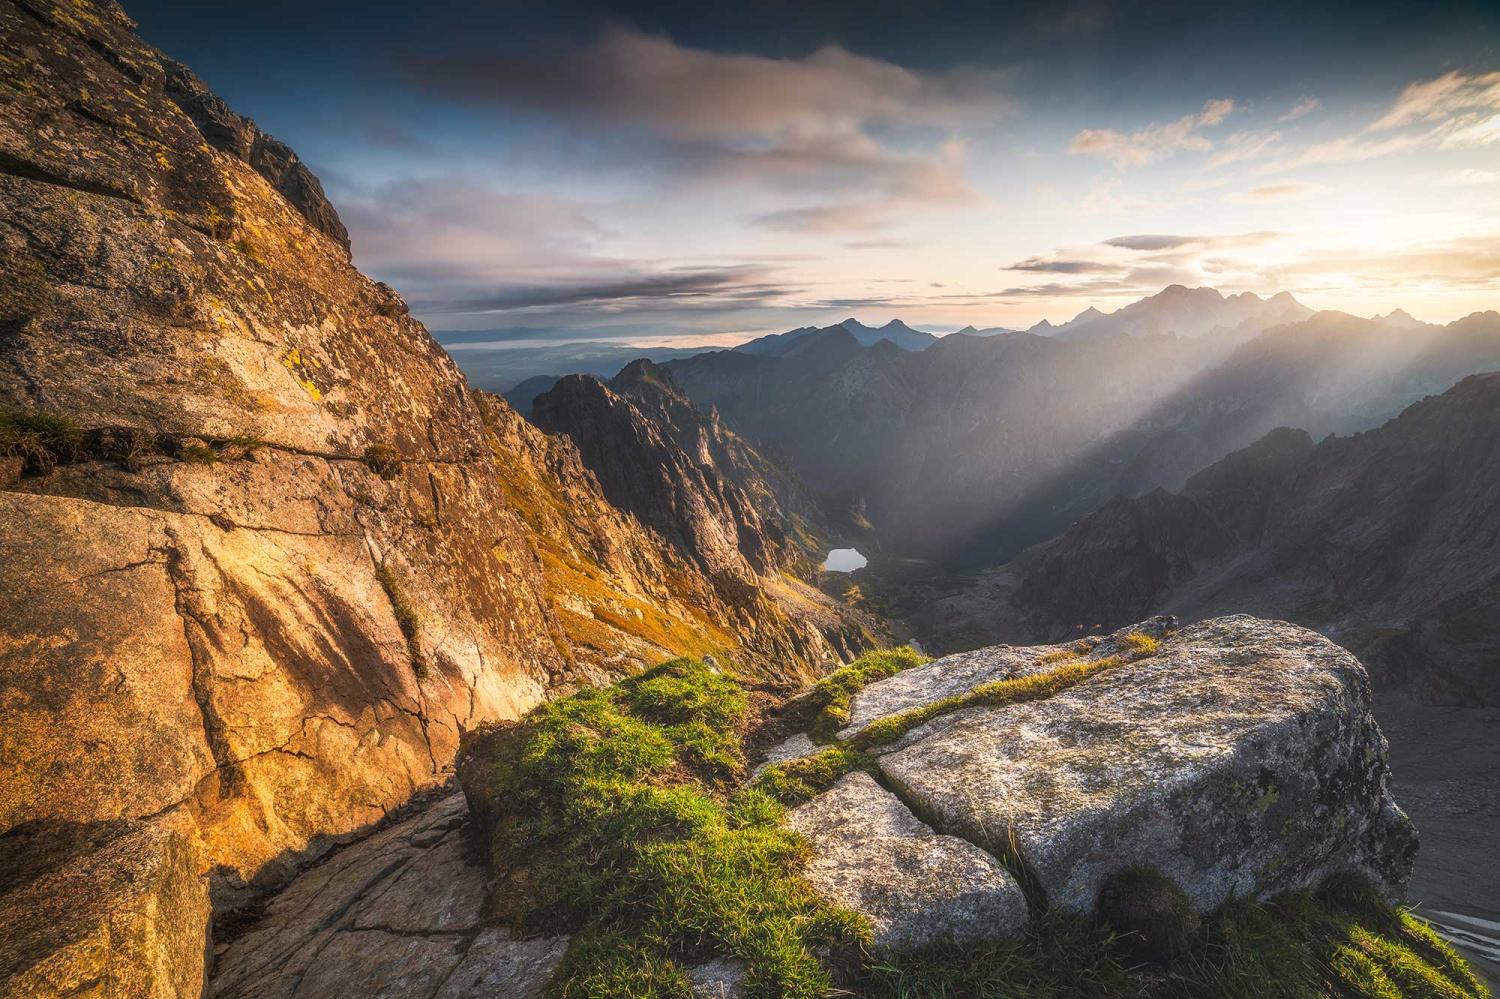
(844,560)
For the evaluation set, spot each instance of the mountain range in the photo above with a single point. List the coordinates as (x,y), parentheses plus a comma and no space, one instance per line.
(976,447)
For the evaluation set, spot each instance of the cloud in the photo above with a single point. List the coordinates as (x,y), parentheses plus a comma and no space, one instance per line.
(695,93)
(1467,263)
(1152,242)
(1045,266)
(1454,111)
(455,246)
(876,244)
(891,185)
(1441,99)
(456,228)
(852,217)
(1245,146)
(1469,177)
(1295,190)
(717,284)
(822,121)
(1302,109)
(1154,142)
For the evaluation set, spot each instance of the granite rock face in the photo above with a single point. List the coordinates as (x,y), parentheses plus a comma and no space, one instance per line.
(114,910)
(872,855)
(276,556)
(397,915)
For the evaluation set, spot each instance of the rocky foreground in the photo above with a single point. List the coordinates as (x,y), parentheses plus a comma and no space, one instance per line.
(973,802)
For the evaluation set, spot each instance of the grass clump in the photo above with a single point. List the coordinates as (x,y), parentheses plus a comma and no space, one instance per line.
(1152,914)
(835,692)
(406,618)
(1338,940)
(196,452)
(41,440)
(1142,644)
(799,780)
(613,816)
(1059,957)
(383,460)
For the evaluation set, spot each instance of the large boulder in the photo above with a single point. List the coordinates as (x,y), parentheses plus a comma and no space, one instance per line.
(1241,759)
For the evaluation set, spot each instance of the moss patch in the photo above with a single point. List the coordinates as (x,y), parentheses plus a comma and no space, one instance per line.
(613,816)
(834,694)
(383,460)
(406,618)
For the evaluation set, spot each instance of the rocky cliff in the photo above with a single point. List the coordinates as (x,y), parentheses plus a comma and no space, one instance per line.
(1386,540)
(265,556)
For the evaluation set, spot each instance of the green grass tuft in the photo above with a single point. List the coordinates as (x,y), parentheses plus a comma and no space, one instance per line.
(799,780)
(996,694)
(612,817)
(834,693)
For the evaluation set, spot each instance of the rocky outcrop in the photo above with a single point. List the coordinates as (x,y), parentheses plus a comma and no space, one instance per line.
(263,555)
(397,915)
(680,471)
(1236,757)
(1385,540)
(625,594)
(274,578)
(735,518)
(108,909)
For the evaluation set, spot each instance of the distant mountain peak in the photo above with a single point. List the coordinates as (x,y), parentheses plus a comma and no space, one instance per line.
(1178,310)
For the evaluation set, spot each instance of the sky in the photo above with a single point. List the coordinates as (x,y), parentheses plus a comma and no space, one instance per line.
(676,172)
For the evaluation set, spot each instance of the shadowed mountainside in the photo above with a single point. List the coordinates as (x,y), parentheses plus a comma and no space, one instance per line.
(1389,541)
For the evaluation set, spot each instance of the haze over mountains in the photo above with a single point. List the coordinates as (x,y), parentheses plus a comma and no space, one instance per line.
(1387,540)
(978,446)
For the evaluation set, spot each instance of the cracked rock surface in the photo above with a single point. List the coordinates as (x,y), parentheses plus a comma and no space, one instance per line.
(872,855)
(280,556)
(396,915)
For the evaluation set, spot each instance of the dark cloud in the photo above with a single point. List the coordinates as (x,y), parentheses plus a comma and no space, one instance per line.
(697,93)
(722,286)
(1156,241)
(821,121)
(1044,266)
